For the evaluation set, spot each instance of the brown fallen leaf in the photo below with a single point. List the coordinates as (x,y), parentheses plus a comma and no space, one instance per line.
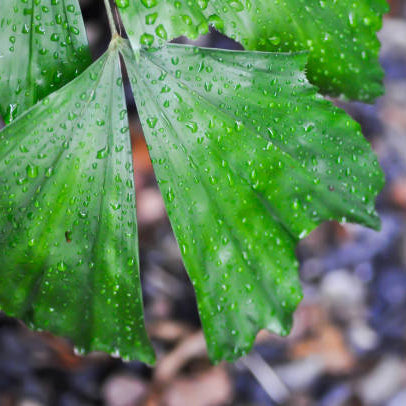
(327,343)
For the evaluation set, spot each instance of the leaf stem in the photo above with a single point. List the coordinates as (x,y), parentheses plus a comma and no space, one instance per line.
(110,17)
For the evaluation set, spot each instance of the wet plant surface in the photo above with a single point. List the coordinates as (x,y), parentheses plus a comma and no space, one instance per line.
(249,158)
(348,344)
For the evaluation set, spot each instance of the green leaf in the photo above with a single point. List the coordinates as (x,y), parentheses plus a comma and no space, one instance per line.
(340,35)
(249,159)
(43,46)
(68,237)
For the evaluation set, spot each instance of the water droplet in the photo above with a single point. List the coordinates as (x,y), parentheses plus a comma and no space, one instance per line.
(61,266)
(170,195)
(122,3)
(146,39)
(82,214)
(208,86)
(32,171)
(149,3)
(248,287)
(102,153)
(115,205)
(192,126)
(216,21)
(274,40)
(236,5)
(151,18)
(151,121)
(161,32)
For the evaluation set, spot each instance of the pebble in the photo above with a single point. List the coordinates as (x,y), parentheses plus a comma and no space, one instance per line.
(385,379)
(123,390)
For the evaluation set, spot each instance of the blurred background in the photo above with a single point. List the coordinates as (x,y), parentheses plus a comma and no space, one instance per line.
(348,345)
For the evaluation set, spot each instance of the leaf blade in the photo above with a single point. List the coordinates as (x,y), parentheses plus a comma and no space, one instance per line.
(69,232)
(340,36)
(249,160)
(42,47)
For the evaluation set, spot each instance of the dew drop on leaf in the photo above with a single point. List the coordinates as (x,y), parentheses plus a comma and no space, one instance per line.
(122,3)
(161,32)
(151,121)
(32,171)
(151,18)
(102,153)
(149,3)
(146,39)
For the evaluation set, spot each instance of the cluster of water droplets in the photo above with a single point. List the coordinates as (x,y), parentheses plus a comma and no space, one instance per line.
(249,160)
(248,157)
(45,47)
(160,21)
(340,36)
(68,215)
